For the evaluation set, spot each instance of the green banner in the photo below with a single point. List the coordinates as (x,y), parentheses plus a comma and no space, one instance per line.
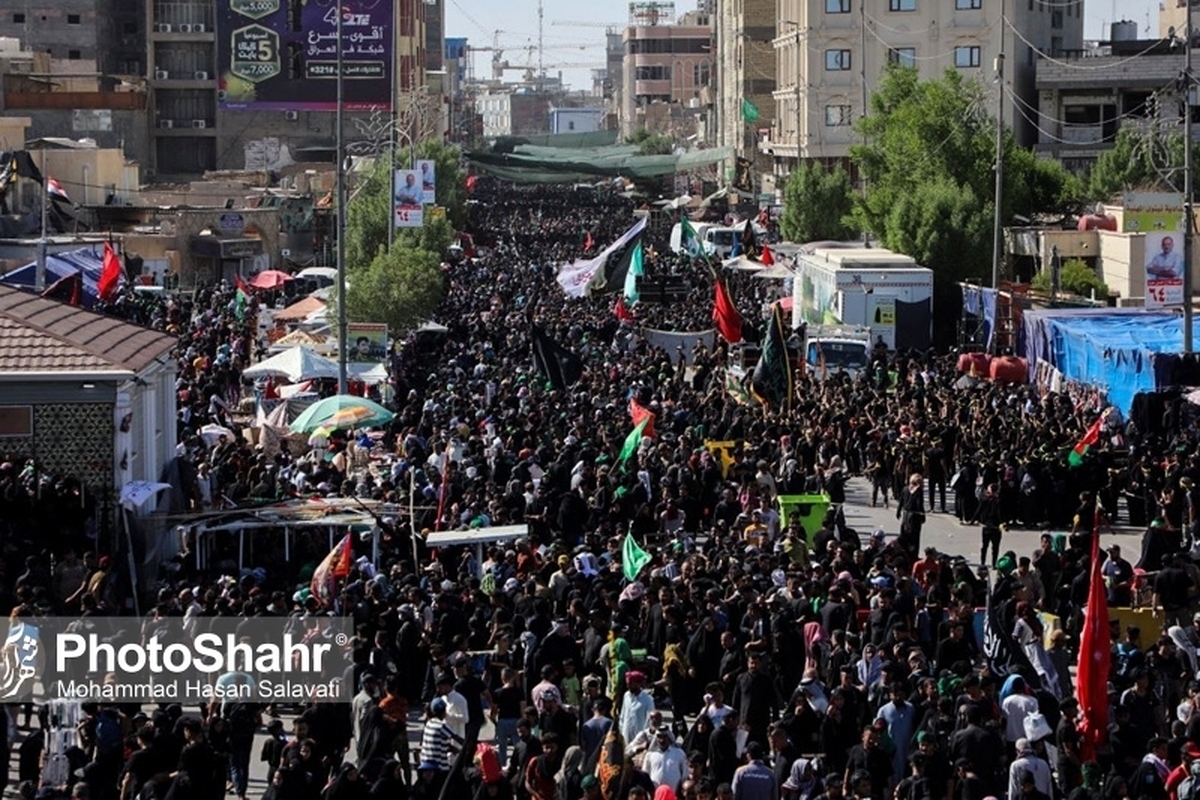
(810,509)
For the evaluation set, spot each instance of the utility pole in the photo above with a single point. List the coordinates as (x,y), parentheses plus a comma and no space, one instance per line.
(341,213)
(998,228)
(862,64)
(1188,217)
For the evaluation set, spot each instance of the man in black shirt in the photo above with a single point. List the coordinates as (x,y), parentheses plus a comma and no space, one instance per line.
(1171,587)
(472,688)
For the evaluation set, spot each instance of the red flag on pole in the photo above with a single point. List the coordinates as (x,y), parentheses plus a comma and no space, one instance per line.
(110,274)
(640,413)
(588,244)
(335,565)
(1095,655)
(766,257)
(725,316)
(621,310)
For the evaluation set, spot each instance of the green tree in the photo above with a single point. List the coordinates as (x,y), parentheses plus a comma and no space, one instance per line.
(401,287)
(1147,160)
(928,166)
(650,144)
(1074,276)
(368,213)
(817,204)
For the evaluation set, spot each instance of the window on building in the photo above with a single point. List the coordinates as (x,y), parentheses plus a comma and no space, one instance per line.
(902,5)
(967,56)
(18,18)
(74,55)
(1056,18)
(968,5)
(839,115)
(903,56)
(72,19)
(837,59)
(16,420)
(1056,46)
(408,15)
(701,73)
(837,6)
(570,126)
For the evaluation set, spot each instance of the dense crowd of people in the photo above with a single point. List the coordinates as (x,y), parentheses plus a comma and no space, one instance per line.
(748,659)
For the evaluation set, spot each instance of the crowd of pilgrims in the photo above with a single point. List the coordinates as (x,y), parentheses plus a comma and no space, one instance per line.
(749,659)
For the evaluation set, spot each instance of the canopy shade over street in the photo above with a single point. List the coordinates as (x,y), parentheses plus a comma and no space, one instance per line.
(296,364)
(534,164)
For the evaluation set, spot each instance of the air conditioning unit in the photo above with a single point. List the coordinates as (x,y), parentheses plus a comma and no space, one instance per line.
(161,75)
(185,28)
(163,27)
(199,123)
(291,116)
(198,27)
(200,75)
(166,123)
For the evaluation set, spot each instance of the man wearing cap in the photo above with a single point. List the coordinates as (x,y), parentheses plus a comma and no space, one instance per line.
(755,780)
(1028,763)
(456,705)
(636,706)
(438,741)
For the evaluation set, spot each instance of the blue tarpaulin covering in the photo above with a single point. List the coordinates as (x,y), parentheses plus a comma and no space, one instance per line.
(1114,350)
(88,260)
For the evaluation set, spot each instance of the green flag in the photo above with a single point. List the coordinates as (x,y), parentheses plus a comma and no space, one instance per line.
(633,558)
(691,239)
(637,268)
(749,111)
(632,441)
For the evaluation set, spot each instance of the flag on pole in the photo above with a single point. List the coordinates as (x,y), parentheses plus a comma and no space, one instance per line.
(641,414)
(766,257)
(772,381)
(558,365)
(1095,655)
(749,111)
(55,190)
(631,442)
(333,566)
(1081,448)
(110,274)
(621,273)
(690,239)
(242,300)
(637,268)
(633,557)
(725,315)
(623,313)
(586,275)
(588,244)
(1000,650)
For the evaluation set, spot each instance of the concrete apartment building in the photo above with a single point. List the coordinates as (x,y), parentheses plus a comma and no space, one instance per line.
(516,112)
(744,34)
(665,67)
(108,33)
(832,53)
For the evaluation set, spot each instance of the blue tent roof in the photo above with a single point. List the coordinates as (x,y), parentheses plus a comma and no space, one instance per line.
(1114,350)
(88,260)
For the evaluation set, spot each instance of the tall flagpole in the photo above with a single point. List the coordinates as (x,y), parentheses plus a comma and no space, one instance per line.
(998,222)
(341,215)
(39,276)
(1188,214)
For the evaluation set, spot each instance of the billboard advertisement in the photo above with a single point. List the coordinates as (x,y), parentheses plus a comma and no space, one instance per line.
(1159,217)
(282,54)
(428,169)
(409,197)
(368,342)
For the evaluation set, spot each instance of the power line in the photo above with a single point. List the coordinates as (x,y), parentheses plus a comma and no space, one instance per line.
(1154,97)
(916,57)
(1072,65)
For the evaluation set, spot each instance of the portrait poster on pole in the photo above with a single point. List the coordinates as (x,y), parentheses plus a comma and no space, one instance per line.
(408,196)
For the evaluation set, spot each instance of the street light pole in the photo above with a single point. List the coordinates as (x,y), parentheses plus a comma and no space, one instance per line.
(1188,215)
(997,223)
(341,214)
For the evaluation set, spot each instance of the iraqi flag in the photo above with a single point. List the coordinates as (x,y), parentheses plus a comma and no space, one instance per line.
(56,192)
(333,566)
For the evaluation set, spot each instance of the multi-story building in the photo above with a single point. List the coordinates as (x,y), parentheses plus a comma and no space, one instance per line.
(831,55)
(241,85)
(1171,16)
(520,111)
(665,66)
(435,34)
(107,32)
(745,78)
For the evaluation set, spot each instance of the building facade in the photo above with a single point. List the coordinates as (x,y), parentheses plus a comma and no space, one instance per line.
(110,33)
(665,68)
(831,55)
(513,113)
(744,32)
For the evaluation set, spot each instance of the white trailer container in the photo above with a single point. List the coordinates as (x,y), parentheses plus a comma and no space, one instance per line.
(868,287)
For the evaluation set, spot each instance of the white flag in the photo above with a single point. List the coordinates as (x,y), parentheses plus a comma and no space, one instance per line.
(578,278)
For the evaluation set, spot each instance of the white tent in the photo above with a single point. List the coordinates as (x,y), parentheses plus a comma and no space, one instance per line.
(296,364)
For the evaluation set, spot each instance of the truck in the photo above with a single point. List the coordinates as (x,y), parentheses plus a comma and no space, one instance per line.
(868,288)
(830,349)
(717,239)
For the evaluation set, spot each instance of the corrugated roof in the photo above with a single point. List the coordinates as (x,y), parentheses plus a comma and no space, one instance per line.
(40,335)
(300,309)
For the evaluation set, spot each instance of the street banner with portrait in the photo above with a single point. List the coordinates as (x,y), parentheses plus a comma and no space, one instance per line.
(409,209)
(427,168)
(368,342)
(1159,217)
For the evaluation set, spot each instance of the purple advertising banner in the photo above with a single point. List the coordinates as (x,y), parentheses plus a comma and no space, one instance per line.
(281,55)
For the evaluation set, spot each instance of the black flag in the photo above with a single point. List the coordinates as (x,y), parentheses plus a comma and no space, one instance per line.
(617,266)
(556,363)
(772,380)
(1003,655)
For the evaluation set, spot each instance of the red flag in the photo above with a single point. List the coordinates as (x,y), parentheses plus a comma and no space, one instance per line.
(588,244)
(766,256)
(333,566)
(110,274)
(621,310)
(471,182)
(241,285)
(640,413)
(1095,655)
(726,317)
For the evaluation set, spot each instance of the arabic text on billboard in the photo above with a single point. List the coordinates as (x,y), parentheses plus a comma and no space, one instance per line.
(282,54)
(1159,218)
